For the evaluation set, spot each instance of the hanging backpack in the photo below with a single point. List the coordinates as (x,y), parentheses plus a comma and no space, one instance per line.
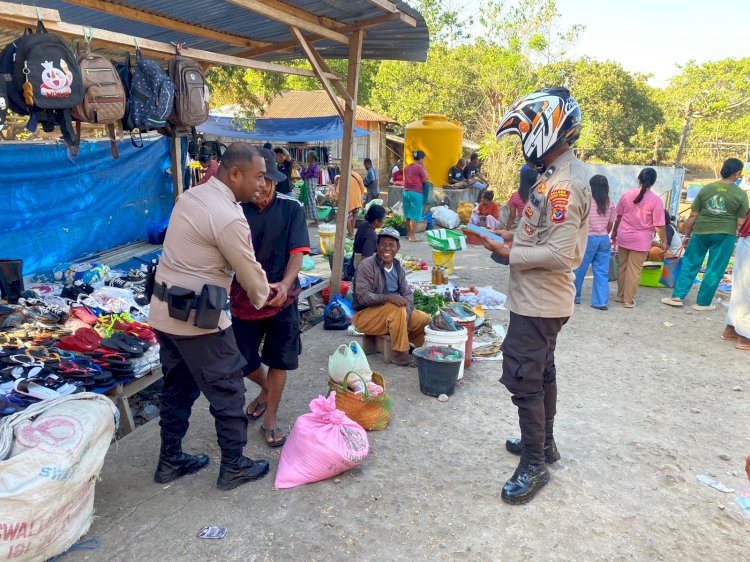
(3,102)
(14,98)
(125,72)
(47,74)
(104,97)
(191,93)
(151,95)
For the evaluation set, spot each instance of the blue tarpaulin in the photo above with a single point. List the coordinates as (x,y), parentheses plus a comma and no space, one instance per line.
(56,208)
(308,129)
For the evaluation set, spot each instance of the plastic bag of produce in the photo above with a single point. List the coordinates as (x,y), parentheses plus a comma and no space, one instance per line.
(445,218)
(348,358)
(464,211)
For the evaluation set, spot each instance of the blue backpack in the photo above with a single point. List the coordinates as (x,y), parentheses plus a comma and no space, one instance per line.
(151,95)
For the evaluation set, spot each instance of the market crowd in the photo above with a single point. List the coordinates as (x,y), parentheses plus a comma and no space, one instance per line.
(240,234)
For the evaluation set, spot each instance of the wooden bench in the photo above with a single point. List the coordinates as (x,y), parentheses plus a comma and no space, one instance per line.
(122,392)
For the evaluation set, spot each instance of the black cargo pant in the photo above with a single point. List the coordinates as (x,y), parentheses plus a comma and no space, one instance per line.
(529,371)
(210,364)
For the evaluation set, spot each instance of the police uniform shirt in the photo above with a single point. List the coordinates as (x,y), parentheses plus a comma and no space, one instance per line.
(550,241)
(208,240)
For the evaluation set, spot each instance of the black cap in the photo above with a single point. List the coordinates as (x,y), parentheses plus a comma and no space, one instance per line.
(272,173)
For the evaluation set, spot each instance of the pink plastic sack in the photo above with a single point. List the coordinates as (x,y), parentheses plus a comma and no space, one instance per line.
(322,444)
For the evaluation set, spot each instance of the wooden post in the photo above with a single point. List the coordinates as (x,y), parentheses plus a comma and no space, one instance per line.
(175,154)
(350,111)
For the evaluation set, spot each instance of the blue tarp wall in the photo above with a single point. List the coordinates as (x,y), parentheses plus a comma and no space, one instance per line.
(308,129)
(56,208)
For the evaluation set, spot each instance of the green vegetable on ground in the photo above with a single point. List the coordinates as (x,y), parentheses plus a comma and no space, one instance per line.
(429,304)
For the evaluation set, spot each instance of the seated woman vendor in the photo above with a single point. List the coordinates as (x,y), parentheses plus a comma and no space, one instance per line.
(366,239)
(384,302)
(487,213)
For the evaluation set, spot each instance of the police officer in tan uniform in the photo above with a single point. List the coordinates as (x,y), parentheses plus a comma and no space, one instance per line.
(207,243)
(547,246)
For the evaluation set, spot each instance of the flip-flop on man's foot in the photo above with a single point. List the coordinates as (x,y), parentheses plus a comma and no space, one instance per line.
(274,437)
(256,409)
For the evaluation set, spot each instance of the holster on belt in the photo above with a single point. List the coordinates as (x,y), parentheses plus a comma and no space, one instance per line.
(181,302)
(208,309)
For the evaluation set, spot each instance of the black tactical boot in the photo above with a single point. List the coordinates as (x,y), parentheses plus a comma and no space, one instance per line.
(173,463)
(236,469)
(530,476)
(551,454)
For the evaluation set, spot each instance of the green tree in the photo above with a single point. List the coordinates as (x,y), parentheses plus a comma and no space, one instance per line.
(615,106)
(367,72)
(246,89)
(710,104)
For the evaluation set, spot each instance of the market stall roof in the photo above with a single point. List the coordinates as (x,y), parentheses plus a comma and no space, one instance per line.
(314,103)
(310,129)
(257,29)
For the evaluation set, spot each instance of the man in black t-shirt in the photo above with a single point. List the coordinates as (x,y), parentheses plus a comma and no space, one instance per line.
(456,174)
(280,240)
(474,177)
(284,164)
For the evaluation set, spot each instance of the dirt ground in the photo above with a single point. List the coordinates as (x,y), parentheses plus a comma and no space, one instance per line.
(643,409)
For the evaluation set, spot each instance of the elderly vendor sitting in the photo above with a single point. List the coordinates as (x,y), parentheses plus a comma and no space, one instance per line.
(384,302)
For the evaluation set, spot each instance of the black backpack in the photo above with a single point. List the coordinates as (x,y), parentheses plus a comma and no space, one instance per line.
(151,95)
(47,75)
(14,97)
(3,102)
(125,72)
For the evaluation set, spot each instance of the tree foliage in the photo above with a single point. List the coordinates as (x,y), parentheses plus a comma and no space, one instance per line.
(519,46)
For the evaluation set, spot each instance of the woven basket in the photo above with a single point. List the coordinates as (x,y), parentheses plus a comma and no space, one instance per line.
(371,412)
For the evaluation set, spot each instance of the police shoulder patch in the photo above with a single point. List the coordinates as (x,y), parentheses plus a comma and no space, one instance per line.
(558,199)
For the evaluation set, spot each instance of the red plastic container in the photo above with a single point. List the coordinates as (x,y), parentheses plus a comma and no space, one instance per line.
(469,325)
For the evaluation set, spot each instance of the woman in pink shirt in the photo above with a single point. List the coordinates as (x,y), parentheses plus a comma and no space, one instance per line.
(415,176)
(639,214)
(518,200)
(598,248)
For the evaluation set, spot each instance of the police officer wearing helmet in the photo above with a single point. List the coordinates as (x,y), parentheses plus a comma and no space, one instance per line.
(208,238)
(547,246)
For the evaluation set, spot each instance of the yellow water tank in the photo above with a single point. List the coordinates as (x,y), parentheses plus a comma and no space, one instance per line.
(441,139)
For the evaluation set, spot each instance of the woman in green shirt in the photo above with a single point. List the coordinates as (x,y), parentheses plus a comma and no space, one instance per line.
(716,214)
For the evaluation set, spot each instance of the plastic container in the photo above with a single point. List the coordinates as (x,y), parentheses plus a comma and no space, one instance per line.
(437,377)
(469,325)
(440,138)
(327,233)
(323,212)
(445,259)
(444,240)
(456,340)
(650,275)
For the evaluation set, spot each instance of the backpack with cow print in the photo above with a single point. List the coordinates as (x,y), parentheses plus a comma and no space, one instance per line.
(47,75)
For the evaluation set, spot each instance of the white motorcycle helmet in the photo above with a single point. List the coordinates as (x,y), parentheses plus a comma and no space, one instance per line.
(544,120)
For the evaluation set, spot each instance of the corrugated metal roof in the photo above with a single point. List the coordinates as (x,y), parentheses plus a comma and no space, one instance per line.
(392,40)
(314,103)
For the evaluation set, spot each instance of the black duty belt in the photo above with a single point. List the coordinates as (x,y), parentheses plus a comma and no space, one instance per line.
(161,292)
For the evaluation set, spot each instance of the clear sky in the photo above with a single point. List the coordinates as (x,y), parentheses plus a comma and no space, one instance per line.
(653,36)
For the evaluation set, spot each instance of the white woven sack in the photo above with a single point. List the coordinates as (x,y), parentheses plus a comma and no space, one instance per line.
(57,449)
